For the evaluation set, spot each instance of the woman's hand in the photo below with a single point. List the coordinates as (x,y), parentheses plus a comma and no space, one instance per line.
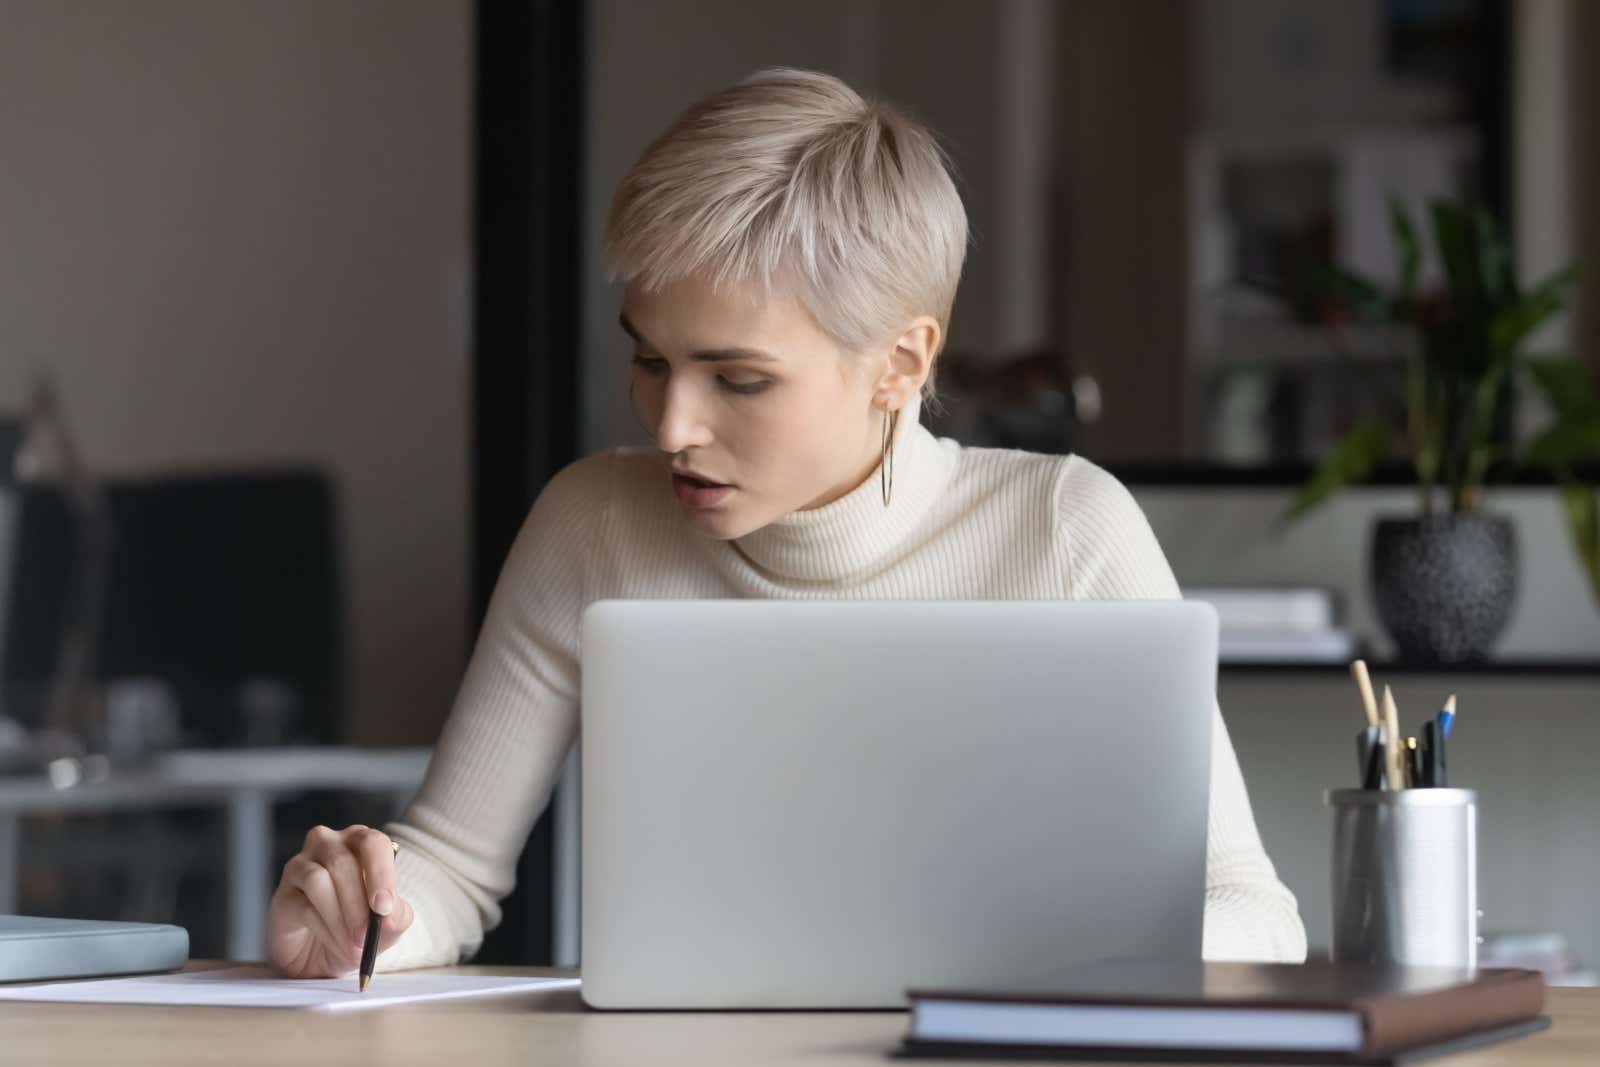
(318,917)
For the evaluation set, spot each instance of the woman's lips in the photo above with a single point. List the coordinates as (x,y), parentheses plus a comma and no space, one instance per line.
(699,495)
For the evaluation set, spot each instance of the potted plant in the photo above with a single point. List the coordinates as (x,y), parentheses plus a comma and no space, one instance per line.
(1444,579)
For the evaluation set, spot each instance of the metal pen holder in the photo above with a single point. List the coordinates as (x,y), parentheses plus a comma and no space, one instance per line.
(1405,876)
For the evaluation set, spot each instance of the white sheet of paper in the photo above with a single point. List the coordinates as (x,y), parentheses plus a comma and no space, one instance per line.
(254,987)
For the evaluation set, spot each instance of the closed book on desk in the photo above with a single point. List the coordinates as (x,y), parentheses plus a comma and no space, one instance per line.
(1172,1010)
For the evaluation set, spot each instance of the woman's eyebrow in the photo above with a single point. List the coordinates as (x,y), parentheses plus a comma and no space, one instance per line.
(711,355)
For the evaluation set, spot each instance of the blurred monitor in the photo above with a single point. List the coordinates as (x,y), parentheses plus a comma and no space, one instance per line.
(227,586)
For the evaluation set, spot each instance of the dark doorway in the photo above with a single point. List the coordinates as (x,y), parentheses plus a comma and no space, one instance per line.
(528,159)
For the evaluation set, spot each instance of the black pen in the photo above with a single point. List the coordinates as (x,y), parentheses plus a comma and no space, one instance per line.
(369,947)
(1369,755)
(1430,754)
(1373,777)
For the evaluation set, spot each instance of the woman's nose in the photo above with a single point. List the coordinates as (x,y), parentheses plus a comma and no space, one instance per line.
(680,425)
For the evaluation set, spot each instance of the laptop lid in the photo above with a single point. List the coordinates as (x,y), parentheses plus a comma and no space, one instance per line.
(36,949)
(819,804)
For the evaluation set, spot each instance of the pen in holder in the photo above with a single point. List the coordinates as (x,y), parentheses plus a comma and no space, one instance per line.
(1405,876)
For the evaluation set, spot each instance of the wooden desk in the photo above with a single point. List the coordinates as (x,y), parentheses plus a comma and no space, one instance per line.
(556,1028)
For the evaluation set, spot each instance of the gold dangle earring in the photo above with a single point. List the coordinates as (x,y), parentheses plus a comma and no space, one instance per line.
(891,419)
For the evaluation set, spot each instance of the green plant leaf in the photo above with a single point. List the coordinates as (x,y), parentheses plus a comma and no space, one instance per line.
(1480,459)
(1516,320)
(1349,289)
(1582,510)
(1567,385)
(1454,238)
(1485,394)
(1351,461)
(1405,239)
(1496,272)
(1566,443)
(1559,280)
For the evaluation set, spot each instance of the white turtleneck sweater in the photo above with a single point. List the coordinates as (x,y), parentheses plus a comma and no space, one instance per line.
(962,524)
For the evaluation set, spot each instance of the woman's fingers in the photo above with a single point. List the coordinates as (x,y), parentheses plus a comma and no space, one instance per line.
(299,942)
(312,881)
(375,853)
(317,922)
(345,871)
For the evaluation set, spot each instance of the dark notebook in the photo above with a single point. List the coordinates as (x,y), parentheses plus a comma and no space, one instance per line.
(1168,1010)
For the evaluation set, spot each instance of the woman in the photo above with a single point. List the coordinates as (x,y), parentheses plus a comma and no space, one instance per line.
(791,254)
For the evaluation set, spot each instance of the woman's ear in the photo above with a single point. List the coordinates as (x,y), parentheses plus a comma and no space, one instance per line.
(910,361)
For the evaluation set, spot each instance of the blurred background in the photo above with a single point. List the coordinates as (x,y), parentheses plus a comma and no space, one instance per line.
(301,303)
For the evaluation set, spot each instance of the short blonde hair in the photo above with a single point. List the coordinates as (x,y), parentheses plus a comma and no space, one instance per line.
(790,179)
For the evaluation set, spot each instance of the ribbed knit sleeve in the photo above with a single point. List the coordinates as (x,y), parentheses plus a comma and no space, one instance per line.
(1113,555)
(514,719)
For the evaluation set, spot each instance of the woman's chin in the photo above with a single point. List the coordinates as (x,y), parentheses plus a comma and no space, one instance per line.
(724,524)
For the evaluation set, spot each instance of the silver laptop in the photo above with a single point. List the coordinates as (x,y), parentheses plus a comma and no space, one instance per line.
(819,804)
(35,949)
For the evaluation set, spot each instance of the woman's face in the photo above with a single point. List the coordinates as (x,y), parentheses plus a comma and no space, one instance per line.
(749,394)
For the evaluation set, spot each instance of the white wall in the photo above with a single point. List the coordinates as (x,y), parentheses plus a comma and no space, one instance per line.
(239,236)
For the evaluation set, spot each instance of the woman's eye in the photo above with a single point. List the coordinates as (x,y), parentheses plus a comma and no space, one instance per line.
(743,388)
(657,367)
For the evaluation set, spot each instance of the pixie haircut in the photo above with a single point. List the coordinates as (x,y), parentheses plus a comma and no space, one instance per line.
(792,181)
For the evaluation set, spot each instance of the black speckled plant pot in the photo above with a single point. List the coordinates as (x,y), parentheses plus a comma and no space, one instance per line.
(1444,584)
